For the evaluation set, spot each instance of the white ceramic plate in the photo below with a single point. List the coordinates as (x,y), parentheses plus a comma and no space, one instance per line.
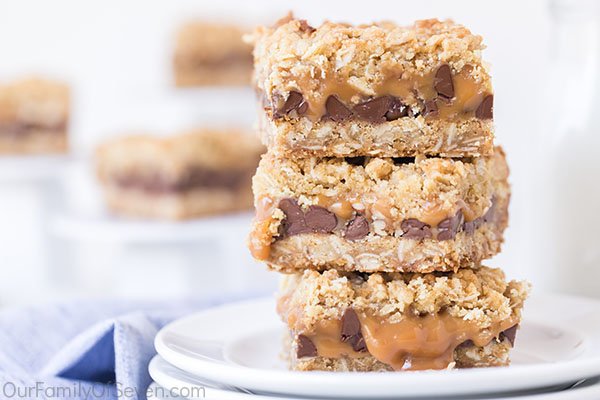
(171,381)
(193,387)
(240,345)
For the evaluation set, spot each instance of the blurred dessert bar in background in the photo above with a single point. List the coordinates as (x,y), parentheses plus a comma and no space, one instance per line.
(342,321)
(378,90)
(211,54)
(401,214)
(34,117)
(197,173)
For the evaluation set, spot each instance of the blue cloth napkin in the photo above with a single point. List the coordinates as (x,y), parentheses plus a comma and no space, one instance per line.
(83,350)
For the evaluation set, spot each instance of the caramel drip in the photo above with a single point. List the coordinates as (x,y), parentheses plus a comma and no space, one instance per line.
(410,90)
(344,210)
(328,343)
(261,237)
(260,240)
(428,342)
(469,94)
(414,343)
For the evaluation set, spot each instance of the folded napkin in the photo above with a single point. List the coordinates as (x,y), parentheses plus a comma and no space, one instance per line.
(84,350)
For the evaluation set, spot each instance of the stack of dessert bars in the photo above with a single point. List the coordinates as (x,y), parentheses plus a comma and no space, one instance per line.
(380,195)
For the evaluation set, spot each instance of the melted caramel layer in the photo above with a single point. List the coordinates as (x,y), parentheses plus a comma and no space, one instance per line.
(345,209)
(413,91)
(414,343)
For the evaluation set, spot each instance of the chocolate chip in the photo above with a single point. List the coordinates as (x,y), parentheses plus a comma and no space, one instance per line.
(360,160)
(351,333)
(374,110)
(490,214)
(415,229)
(294,102)
(315,219)
(305,347)
(294,222)
(302,109)
(431,107)
(486,108)
(396,110)
(469,227)
(336,110)
(510,334)
(357,228)
(448,228)
(443,82)
(319,219)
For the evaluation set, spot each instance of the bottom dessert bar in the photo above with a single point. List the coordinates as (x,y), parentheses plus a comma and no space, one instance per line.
(387,321)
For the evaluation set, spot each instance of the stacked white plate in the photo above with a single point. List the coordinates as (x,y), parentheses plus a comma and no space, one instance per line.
(234,352)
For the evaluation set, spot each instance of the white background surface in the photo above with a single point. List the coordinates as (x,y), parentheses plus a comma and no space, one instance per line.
(116,55)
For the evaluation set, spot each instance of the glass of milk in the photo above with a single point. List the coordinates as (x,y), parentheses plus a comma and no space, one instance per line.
(567,195)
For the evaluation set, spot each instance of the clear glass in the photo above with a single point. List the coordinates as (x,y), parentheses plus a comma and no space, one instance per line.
(568,197)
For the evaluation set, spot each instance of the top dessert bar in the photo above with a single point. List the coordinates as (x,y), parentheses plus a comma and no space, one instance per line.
(34,115)
(373,90)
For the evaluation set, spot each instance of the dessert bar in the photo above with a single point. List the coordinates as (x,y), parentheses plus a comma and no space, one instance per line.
(379,214)
(389,321)
(211,54)
(34,116)
(377,90)
(183,176)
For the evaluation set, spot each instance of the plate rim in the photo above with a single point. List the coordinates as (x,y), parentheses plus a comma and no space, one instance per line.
(282,381)
(156,374)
